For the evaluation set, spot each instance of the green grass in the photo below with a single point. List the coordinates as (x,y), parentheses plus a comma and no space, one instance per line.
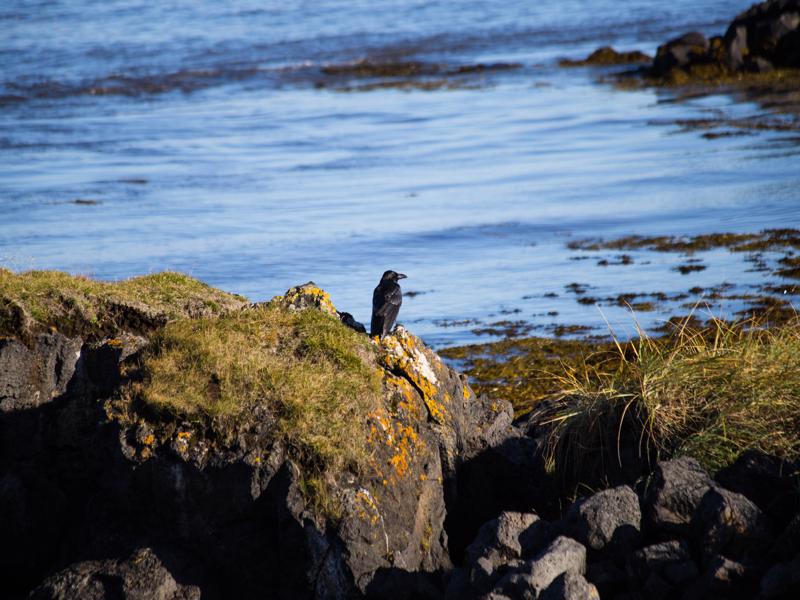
(710,393)
(315,378)
(38,300)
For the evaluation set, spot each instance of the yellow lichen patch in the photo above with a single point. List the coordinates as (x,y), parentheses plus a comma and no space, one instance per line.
(149,439)
(184,435)
(307,295)
(367,507)
(402,443)
(401,353)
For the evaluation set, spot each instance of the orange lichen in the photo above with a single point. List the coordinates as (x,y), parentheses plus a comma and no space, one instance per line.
(400,440)
(149,439)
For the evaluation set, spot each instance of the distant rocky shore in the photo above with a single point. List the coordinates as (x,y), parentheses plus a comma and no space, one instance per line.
(115,486)
(764,39)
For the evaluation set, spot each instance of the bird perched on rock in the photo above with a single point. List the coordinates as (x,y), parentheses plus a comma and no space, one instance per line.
(386,301)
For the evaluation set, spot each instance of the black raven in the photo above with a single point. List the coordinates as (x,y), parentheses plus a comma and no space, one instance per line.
(386,301)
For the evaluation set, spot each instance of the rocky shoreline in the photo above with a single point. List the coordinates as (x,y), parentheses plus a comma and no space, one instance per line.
(104,494)
(758,57)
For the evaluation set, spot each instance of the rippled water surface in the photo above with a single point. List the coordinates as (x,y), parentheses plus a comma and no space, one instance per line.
(207,137)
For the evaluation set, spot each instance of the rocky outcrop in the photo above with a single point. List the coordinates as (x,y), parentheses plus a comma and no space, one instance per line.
(765,37)
(91,475)
(142,576)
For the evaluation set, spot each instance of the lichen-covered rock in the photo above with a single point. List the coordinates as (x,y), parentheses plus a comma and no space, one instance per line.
(608,521)
(142,576)
(674,494)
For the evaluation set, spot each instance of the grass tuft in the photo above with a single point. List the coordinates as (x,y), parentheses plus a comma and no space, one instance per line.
(314,376)
(710,393)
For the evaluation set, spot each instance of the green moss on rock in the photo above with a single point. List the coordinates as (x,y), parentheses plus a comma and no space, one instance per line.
(34,301)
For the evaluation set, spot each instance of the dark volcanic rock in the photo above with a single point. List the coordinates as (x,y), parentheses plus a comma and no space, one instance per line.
(500,546)
(609,521)
(669,560)
(142,576)
(782,580)
(771,483)
(570,586)
(769,30)
(503,539)
(35,377)
(723,578)
(680,52)
(563,555)
(676,491)
(729,524)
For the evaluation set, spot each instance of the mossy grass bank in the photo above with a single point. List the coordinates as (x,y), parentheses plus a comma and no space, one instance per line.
(39,300)
(304,371)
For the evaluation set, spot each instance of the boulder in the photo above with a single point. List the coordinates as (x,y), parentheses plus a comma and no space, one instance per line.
(563,555)
(680,52)
(787,543)
(608,521)
(723,578)
(141,576)
(782,580)
(728,523)
(570,586)
(675,492)
(766,31)
(33,377)
(502,539)
(670,560)
(499,548)
(771,483)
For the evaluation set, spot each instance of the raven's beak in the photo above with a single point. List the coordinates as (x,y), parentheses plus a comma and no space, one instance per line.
(401,276)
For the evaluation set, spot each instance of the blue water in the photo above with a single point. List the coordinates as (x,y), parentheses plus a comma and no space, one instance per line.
(206,139)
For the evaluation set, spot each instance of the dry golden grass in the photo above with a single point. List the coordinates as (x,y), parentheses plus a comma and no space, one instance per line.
(316,377)
(709,393)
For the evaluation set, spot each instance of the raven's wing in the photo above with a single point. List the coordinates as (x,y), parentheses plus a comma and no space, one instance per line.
(391,301)
(390,314)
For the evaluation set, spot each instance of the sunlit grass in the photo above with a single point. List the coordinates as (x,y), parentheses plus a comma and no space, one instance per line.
(80,305)
(315,379)
(710,393)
